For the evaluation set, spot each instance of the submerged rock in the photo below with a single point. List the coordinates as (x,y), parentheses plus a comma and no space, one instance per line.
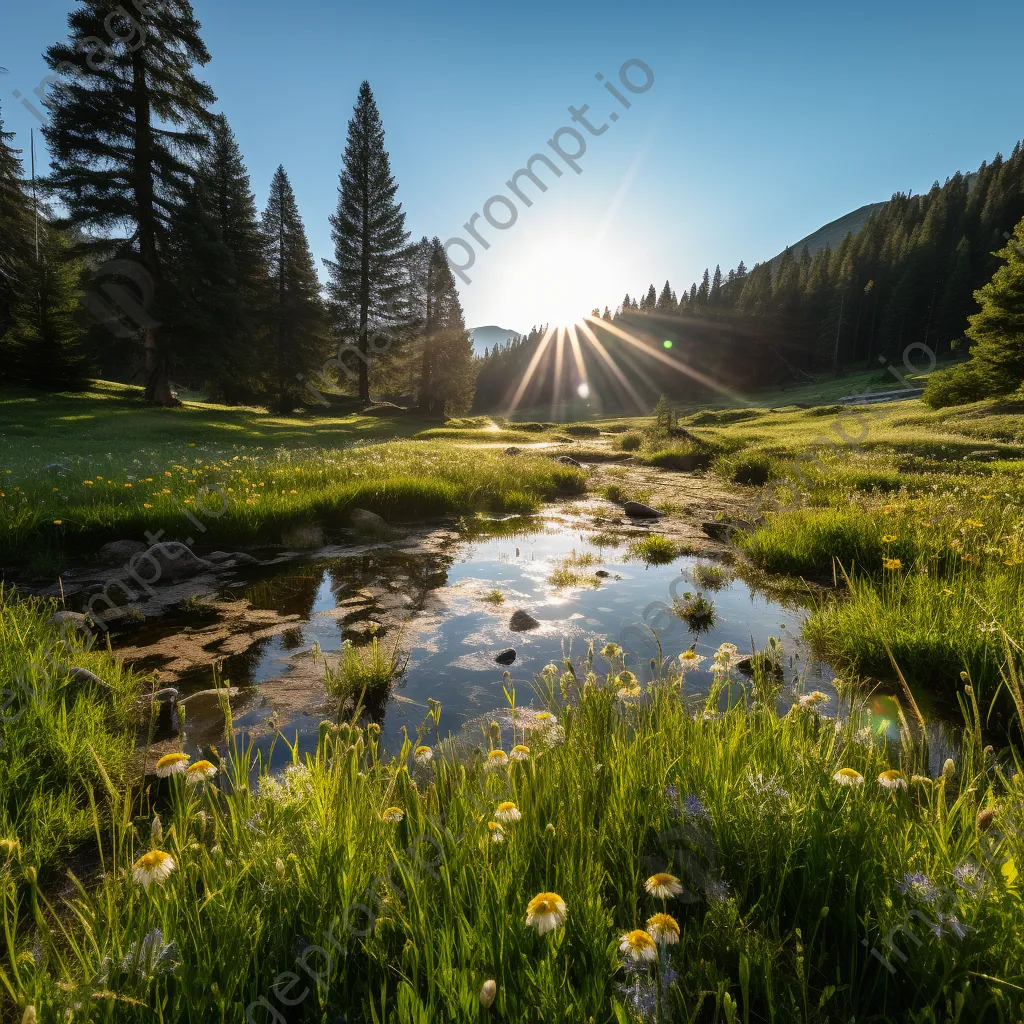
(640,511)
(522,621)
(368,523)
(506,657)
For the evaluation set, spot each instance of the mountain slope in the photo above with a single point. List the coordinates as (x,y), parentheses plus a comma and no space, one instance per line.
(488,337)
(832,234)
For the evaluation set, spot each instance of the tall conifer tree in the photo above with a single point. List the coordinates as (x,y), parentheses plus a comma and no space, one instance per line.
(15,230)
(369,273)
(296,340)
(126,122)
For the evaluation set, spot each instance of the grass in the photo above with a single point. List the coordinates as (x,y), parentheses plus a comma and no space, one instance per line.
(654,550)
(221,489)
(495,597)
(378,884)
(65,737)
(696,611)
(710,577)
(567,573)
(363,676)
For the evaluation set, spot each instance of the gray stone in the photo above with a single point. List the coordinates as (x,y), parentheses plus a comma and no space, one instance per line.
(363,521)
(303,536)
(522,621)
(513,450)
(121,552)
(174,559)
(506,657)
(70,620)
(602,574)
(83,675)
(567,460)
(220,556)
(640,511)
(241,558)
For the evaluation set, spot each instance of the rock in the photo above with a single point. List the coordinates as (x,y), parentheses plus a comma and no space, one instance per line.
(303,536)
(568,460)
(718,531)
(506,657)
(639,511)
(513,451)
(69,621)
(121,552)
(220,556)
(241,558)
(174,559)
(745,664)
(161,709)
(602,574)
(367,522)
(522,621)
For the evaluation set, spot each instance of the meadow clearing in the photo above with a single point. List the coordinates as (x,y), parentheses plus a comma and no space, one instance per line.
(608,850)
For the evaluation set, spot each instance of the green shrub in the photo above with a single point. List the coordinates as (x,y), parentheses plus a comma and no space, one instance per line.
(655,550)
(632,441)
(696,611)
(959,385)
(582,430)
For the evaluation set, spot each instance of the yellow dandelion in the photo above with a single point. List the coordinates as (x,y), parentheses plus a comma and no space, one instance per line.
(507,811)
(520,753)
(664,929)
(892,779)
(155,866)
(611,650)
(496,831)
(546,912)
(546,718)
(848,777)
(393,815)
(147,506)
(172,764)
(663,886)
(199,772)
(496,759)
(891,563)
(638,945)
(975,524)
(58,522)
(888,538)
(423,755)
(88,483)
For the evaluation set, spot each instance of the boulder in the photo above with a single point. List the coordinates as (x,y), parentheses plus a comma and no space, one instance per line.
(303,536)
(506,657)
(522,621)
(161,709)
(67,621)
(175,561)
(241,558)
(602,574)
(369,524)
(640,511)
(513,451)
(568,460)
(220,556)
(120,552)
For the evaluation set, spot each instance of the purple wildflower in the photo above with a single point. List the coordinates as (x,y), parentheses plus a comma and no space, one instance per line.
(919,886)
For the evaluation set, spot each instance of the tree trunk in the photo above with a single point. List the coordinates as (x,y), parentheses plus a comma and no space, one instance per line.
(364,297)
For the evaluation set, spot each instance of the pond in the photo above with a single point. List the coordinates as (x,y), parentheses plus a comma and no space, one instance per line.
(270,628)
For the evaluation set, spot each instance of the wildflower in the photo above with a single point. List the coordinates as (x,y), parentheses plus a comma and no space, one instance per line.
(156,830)
(664,929)
(628,692)
(199,772)
(919,886)
(155,866)
(546,717)
(58,522)
(147,506)
(423,755)
(948,768)
(545,912)
(663,886)
(950,922)
(495,759)
(279,867)
(726,650)
(611,650)
(549,828)
(969,877)
(692,805)
(10,848)
(393,815)
(638,945)
(497,832)
(919,779)
(812,699)
(172,764)
(975,524)
(848,777)
(520,753)
(892,779)
(891,563)
(626,680)
(689,660)
(888,539)
(29,1016)
(507,811)
(487,993)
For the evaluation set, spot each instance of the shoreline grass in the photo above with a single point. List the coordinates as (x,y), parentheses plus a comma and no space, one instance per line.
(804,853)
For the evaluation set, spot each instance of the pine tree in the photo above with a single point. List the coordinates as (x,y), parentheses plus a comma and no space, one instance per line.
(715,296)
(368,273)
(15,231)
(997,330)
(42,346)
(123,131)
(667,300)
(447,374)
(650,301)
(296,340)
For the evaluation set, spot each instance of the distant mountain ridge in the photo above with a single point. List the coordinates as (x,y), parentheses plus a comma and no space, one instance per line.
(488,337)
(833,233)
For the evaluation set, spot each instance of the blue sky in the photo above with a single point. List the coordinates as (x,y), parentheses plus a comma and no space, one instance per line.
(764,121)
